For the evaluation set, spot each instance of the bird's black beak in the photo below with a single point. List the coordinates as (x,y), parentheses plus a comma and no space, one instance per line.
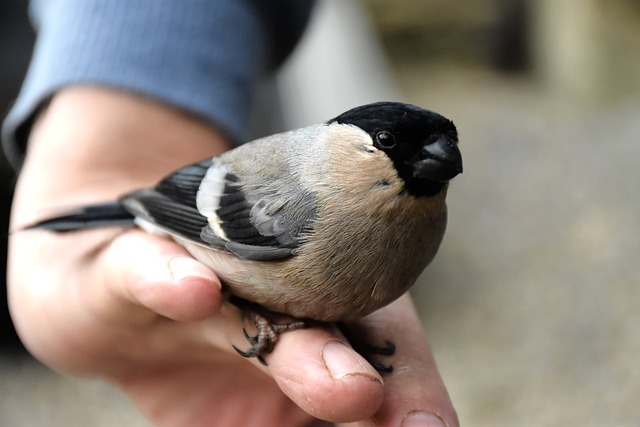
(438,161)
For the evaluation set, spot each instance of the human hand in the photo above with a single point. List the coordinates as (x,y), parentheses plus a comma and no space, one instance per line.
(137,310)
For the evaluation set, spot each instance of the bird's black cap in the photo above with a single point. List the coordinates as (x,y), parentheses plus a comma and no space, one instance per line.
(422,144)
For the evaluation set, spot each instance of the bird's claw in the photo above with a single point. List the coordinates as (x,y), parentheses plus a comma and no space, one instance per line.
(389,348)
(268,331)
(369,351)
(267,334)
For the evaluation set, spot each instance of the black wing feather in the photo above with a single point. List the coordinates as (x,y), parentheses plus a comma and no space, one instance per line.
(235,216)
(171,205)
(182,185)
(167,213)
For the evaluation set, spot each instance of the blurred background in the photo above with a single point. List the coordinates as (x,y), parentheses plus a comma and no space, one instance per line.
(531,304)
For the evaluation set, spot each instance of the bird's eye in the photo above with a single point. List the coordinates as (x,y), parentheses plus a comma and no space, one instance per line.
(385,139)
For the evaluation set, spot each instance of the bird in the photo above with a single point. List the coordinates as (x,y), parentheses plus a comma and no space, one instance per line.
(326,223)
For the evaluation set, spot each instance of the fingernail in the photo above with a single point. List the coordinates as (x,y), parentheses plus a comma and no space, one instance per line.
(422,419)
(342,361)
(183,267)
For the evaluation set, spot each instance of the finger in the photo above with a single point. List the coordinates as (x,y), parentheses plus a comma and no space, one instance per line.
(156,273)
(414,392)
(324,376)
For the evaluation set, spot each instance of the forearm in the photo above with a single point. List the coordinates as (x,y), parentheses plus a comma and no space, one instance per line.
(93,144)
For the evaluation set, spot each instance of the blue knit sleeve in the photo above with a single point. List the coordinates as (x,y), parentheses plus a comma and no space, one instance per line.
(201,56)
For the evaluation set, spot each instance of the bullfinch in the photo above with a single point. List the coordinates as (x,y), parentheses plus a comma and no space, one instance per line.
(326,223)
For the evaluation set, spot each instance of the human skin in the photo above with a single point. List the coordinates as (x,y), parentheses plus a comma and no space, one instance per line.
(137,310)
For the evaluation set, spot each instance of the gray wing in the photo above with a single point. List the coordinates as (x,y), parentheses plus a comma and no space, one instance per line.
(251,214)
(259,216)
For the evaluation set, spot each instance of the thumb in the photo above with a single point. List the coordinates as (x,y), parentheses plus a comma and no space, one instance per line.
(324,376)
(159,275)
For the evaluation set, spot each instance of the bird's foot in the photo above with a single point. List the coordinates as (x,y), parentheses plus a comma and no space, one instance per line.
(270,325)
(267,330)
(368,351)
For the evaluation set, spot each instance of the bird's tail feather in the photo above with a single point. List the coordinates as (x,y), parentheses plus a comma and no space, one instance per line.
(92,216)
